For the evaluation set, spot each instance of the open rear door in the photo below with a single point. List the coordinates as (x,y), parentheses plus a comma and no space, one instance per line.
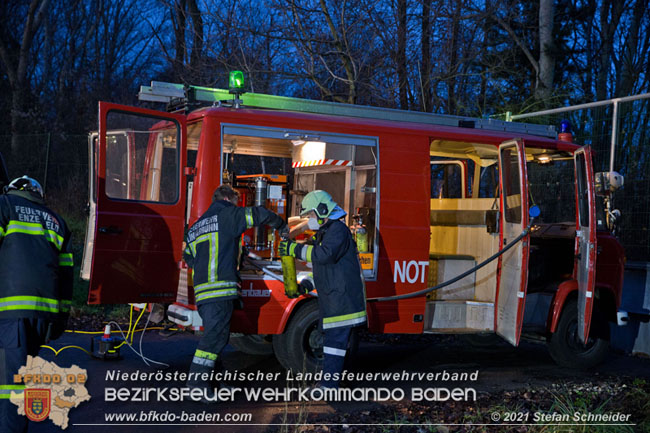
(139,205)
(585,263)
(513,265)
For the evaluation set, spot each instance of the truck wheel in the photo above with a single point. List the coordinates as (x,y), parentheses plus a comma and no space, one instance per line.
(252,344)
(300,347)
(565,346)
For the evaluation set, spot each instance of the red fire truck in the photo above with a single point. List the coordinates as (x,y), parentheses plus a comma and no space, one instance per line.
(433,196)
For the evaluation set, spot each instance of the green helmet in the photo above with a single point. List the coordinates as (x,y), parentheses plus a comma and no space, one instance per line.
(318,201)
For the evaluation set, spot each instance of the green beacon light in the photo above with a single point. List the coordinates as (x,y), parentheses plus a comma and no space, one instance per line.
(236,82)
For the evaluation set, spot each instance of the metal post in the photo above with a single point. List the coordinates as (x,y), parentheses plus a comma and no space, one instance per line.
(614,134)
(47,161)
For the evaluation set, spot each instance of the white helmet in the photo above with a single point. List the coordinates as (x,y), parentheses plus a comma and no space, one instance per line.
(25,183)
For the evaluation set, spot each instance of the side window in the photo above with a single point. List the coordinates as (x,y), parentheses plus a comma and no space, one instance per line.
(583,197)
(511,186)
(142,163)
(489,182)
(447,179)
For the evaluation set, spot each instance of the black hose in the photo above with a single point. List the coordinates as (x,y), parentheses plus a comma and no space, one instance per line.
(461,276)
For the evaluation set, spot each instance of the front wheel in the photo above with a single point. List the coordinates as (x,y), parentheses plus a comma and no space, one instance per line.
(565,346)
(300,347)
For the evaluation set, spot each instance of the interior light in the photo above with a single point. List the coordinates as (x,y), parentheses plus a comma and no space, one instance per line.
(298,142)
(543,159)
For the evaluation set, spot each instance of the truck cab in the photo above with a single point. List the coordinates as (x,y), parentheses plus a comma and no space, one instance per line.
(428,198)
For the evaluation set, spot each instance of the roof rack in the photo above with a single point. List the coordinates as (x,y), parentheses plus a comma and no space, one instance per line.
(184,96)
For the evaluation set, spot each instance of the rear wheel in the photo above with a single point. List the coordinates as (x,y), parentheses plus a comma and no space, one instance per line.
(252,344)
(565,346)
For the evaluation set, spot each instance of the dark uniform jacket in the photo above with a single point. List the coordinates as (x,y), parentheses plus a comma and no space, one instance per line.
(213,248)
(35,259)
(337,276)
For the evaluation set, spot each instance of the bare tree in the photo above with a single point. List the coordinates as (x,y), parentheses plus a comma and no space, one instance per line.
(15,56)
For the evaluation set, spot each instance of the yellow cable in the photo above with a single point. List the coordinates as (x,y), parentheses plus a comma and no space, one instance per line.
(136,322)
(129,330)
(56,352)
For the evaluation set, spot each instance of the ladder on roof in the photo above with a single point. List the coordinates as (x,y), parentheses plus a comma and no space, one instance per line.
(178,94)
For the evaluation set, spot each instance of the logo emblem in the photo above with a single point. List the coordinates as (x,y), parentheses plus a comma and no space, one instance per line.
(37,404)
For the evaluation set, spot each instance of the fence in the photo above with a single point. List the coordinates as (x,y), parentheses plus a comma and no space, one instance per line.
(618,132)
(58,162)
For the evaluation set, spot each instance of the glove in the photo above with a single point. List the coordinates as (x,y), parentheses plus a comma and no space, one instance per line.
(287,248)
(284,231)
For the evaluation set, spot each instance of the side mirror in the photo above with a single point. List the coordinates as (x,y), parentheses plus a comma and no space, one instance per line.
(607,182)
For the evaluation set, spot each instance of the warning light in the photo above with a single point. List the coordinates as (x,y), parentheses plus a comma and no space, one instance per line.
(236,82)
(565,131)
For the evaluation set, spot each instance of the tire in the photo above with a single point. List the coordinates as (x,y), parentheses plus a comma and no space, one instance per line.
(252,344)
(300,347)
(565,347)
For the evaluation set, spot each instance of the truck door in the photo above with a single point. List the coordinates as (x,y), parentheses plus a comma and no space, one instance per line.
(513,265)
(139,197)
(585,262)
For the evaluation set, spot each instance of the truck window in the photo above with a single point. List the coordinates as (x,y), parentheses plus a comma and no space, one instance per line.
(551,186)
(511,187)
(446,179)
(583,196)
(143,164)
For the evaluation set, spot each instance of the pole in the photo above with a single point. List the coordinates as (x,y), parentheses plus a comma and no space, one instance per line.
(47,161)
(614,135)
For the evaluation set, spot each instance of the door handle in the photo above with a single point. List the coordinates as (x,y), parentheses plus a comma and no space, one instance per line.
(110,230)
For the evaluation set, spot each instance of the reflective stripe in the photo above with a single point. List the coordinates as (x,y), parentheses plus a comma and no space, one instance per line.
(292,249)
(6,390)
(34,229)
(206,355)
(203,361)
(333,351)
(2,232)
(216,294)
(305,254)
(65,259)
(214,256)
(344,320)
(29,303)
(65,306)
(205,286)
(249,217)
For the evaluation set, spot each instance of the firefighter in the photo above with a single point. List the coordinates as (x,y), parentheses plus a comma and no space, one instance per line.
(337,277)
(35,285)
(213,250)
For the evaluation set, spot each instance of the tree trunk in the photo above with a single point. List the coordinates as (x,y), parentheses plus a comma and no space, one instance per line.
(400,58)
(544,82)
(425,46)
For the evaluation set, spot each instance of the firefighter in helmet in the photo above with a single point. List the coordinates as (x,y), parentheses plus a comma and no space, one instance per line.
(35,284)
(337,277)
(213,249)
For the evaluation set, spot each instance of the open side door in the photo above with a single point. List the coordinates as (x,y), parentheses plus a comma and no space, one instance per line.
(513,264)
(585,250)
(138,205)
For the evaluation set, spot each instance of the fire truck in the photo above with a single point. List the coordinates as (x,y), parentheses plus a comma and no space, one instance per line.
(500,218)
